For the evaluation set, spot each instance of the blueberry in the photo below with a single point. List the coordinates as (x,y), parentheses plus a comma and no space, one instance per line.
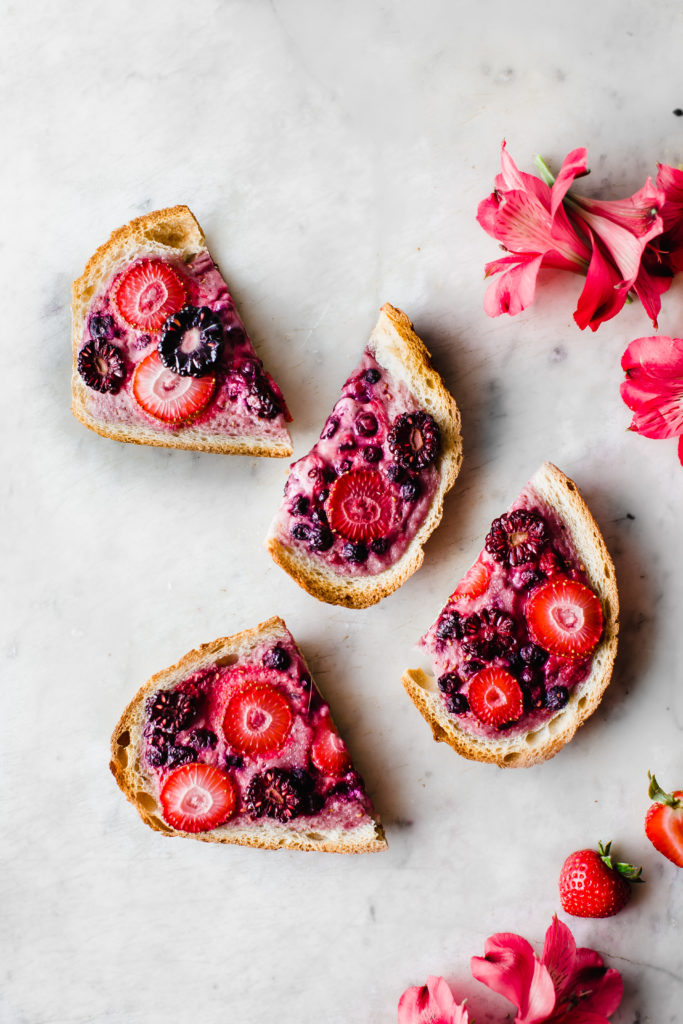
(470,668)
(379,545)
(319,515)
(534,655)
(410,490)
(344,466)
(347,445)
(395,473)
(449,627)
(180,755)
(299,531)
(329,474)
(234,761)
(355,551)
(357,391)
(323,495)
(449,683)
(556,698)
(320,537)
(277,658)
(101,326)
(203,738)
(372,453)
(366,424)
(527,675)
(371,376)
(299,506)
(458,704)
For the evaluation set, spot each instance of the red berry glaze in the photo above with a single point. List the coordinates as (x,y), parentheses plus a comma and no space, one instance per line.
(197,797)
(258,719)
(167,396)
(495,697)
(664,822)
(592,886)
(473,584)
(361,505)
(564,617)
(329,753)
(147,293)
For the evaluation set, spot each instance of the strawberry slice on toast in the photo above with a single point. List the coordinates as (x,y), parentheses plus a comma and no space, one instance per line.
(524,647)
(235,744)
(160,354)
(359,507)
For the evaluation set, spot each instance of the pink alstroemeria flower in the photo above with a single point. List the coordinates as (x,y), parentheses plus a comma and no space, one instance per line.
(542,224)
(432,1003)
(653,388)
(566,986)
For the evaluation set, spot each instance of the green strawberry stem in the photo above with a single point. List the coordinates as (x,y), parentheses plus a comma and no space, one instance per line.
(655,792)
(628,871)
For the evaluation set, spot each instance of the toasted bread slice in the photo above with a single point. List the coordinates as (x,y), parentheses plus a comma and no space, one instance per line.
(331,812)
(232,420)
(406,383)
(549,730)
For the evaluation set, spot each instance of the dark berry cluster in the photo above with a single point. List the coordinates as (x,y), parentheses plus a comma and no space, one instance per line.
(101,365)
(191,340)
(414,440)
(277,658)
(172,710)
(488,634)
(274,793)
(516,537)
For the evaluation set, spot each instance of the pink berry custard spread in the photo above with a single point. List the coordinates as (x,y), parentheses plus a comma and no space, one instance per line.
(519,631)
(164,347)
(360,495)
(253,740)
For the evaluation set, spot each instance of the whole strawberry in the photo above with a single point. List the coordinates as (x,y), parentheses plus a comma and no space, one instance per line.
(591,885)
(664,822)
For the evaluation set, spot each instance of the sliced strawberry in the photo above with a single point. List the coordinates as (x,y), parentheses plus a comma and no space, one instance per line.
(197,797)
(329,753)
(258,719)
(664,822)
(361,505)
(474,582)
(167,396)
(495,697)
(147,293)
(564,617)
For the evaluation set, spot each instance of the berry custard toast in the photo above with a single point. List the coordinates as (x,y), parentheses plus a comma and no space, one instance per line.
(234,744)
(524,648)
(359,507)
(160,354)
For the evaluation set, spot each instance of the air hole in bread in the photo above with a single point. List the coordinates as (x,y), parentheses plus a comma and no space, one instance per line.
(166,234)
(582,703)
(122,757)
(555,725)
(608,610)
(145,800)
(512,756)
(158,823)
(315,837)
(439,734)
(570,485)
(124,739)
(530,738)
(227,659)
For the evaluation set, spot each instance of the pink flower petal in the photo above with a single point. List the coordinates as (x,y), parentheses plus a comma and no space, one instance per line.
(432,1003)
(680,449)
(514,290)
(654,385)
(604,292)
(597,989)
(523,224)
(512,178)
(559,955)
(649,287)
(511,969)
(670,181)
(573,166)
(487,211)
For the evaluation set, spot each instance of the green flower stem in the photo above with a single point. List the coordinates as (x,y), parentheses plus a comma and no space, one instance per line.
(546,174)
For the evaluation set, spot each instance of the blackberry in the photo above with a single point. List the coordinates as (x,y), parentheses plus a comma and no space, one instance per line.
(410,490)
(278,658)
(262,400)
(299,506)
(379,545)
(529,579)
(101,325)
(528,676)
(234,761)
(311,802)
(371,376)
(395,473)
(487,634)
(556,698)
(299,531)
(202,739)
(329,474)
(330,428)
(156,756)
(190,341)
(274,793)
(450,626)
(414,440)
(458,704)
(355,551)
(372,453)
(449,683)
(101,366)
(178,754)
(172,711)
(366,424)
(516,537)
(471,667)
(319,515)
(351,786)
(320,537)
(533,655)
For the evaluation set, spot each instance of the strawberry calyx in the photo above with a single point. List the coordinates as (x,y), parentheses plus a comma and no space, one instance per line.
(627,871)
(656,793)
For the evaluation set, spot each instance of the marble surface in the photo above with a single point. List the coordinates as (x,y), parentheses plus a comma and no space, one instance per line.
(335,155)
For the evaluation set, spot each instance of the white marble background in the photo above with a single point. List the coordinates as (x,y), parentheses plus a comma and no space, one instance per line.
(335,154)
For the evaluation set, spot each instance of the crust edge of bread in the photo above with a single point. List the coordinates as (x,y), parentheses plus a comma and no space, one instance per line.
(174,230)
(526,749)
(393,341)
(124,765)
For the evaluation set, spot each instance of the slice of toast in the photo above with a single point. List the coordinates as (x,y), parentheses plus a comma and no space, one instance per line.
(360,506)
(559,690)
(150,295)
(245,711)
